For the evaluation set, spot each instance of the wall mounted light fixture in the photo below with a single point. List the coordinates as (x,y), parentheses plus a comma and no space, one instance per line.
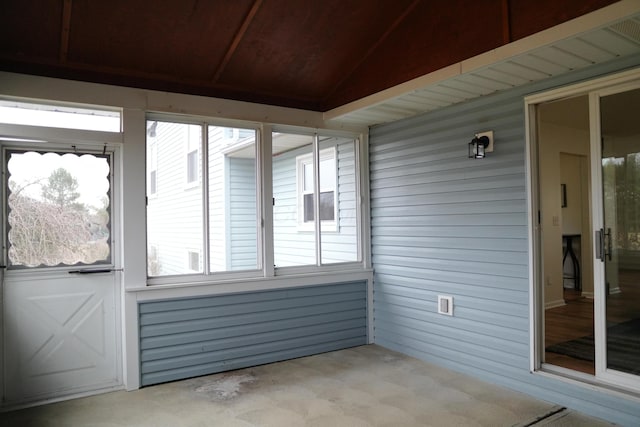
(481,144)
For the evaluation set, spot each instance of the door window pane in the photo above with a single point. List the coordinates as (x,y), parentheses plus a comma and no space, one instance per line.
(58,209)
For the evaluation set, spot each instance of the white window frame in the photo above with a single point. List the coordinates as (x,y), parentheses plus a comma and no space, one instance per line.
(201,137)
(307,160)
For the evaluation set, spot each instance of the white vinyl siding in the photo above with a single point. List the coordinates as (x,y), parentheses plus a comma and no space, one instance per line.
(243,250)
(342,245)
(217,201)
(233,214)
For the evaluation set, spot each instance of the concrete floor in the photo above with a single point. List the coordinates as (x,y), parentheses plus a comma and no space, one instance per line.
(363,386)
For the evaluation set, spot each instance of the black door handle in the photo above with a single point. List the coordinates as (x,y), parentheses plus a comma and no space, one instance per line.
(104,270)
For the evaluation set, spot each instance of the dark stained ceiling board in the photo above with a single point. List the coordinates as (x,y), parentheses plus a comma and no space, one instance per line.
(314,55)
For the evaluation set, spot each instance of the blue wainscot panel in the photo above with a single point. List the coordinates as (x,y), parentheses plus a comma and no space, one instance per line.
(183,338)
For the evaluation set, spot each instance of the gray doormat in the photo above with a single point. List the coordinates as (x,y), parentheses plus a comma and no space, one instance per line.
(623,342)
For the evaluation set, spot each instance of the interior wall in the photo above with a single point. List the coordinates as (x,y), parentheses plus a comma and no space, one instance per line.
(564,156)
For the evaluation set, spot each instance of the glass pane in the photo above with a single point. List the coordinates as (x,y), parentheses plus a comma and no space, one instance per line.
(308,177)
(308,208)
(58,209)
(293,238)
(192,166)
(328,174)
(174,211)
(621,187)
(338,208)
(327,206)
(23,113)
(233,195)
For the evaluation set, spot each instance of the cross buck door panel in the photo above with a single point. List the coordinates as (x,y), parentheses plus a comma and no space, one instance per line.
(60,307)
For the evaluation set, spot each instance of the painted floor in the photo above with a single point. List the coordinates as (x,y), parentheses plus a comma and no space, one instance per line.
(362,386)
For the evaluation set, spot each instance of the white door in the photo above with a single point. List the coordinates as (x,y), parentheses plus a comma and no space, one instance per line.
(60,289)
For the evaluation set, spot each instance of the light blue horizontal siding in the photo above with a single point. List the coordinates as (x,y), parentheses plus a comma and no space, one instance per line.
(443,224)
(183,338)
(243,214)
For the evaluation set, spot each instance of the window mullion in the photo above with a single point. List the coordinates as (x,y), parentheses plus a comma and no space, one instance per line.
(316,196)
(204,149)
(264,185)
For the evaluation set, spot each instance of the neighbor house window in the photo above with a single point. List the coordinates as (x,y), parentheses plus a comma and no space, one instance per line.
(153,168)
(193,148)
(221,217)
(306,189)
(193,259)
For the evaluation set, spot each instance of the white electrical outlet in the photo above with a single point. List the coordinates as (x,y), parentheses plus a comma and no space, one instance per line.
(445,305)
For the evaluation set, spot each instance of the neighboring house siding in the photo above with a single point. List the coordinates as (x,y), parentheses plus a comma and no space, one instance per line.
(243,251)
(342,245)
(443,224)
(218,197)
(174,201)
(296,247)
(183,338)
(291,247)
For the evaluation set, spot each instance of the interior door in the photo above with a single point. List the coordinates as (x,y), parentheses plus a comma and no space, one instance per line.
(618,239)
(60,290)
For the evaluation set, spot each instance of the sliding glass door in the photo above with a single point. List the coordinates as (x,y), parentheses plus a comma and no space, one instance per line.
(587,234)
(618,239)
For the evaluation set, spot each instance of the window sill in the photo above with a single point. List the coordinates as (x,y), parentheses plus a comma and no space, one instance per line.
(178,289)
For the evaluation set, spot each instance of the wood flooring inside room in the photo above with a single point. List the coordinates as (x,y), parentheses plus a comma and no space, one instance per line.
(576,319)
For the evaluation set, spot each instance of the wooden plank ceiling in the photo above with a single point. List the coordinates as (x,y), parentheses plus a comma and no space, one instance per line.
(310,54)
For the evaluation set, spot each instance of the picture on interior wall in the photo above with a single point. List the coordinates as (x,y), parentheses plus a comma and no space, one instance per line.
(563,195)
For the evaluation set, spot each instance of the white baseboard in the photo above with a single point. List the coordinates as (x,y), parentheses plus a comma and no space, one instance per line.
(589,295)
(554,304)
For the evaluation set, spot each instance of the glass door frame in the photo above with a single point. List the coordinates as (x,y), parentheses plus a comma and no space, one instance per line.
(598,223)
(596,88)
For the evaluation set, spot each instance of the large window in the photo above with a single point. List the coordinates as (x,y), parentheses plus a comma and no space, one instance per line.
(299,238)
(216,224)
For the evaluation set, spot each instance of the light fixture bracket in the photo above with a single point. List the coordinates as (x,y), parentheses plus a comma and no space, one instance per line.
(481,144)
(488,134)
